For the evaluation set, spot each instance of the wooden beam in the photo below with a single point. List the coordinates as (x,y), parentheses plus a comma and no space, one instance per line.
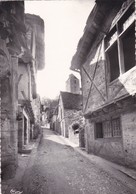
(93,76)
(102,96)
(105,110)
(119,104)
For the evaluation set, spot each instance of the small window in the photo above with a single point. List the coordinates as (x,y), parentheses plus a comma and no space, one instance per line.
(108,129)
(112,56)
(116,127)
(129,48)
(99,130)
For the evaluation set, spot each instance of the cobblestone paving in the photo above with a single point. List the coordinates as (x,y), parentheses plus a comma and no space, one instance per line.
(58,169)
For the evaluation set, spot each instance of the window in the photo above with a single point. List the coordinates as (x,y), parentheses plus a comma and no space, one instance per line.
(116,127)
(99,130)
(108,129)
(120,44)
(128,40)
(112,56)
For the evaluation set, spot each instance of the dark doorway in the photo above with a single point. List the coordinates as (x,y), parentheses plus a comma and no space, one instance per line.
(25,131)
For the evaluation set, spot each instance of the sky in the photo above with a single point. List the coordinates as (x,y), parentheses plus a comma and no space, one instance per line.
(64,22)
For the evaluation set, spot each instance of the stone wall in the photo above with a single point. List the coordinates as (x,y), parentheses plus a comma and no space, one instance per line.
(74,116)
(73,137)
(61,117)
(35,24)
(95,99)
(118,149)
(9,132)
(23,85)
(129,137)
(101,92)
(68,120)
(13,48)
(72,84)
(111,149)
(20,133)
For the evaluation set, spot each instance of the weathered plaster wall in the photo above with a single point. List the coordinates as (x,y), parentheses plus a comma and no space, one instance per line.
(37,39)
(118,149)
(9,132)
(68,120)
(36,106)
(53,122)
(129,137)
(72,84)
(109,148)
(94,97)
(20,133)
(125,84)
(73,137)
(61,116)
(73,116)
(96,66)
(23,85)
(99,93)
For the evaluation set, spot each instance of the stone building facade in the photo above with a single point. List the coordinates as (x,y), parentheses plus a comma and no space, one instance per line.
(72,84)
(69,105)
(105,58)
(17,80)
(12,39)
(29,63)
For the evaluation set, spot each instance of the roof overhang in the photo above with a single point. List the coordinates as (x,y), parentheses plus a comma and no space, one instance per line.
(95,29)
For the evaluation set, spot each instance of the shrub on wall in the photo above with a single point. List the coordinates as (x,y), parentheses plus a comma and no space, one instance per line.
(75,127)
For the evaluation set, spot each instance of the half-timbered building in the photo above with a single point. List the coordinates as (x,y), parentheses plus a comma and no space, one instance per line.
(105,58)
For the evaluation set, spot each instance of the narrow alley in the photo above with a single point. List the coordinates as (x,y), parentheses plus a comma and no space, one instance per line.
(56,168)
(68,97)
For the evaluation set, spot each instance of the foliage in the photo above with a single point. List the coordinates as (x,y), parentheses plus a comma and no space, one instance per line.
(75,126)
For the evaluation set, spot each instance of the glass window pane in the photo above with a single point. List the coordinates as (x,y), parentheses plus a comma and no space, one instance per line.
(128,43)
(112,55)
(107,132)
(116,128)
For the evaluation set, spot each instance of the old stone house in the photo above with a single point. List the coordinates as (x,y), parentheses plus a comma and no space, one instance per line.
(12,41)
(29,63)
(17,80)
(69,104)
(105,59)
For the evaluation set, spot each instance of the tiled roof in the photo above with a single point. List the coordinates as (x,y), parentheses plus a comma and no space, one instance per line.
(71,101)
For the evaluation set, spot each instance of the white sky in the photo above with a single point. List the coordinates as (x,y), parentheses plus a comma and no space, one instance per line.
(64,24)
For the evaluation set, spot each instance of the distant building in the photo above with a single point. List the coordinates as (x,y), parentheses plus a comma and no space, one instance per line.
(69,104)
(53,114)
(105,58)
(72,84)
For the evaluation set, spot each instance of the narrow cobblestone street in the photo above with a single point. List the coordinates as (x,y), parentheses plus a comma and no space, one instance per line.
(57,168)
